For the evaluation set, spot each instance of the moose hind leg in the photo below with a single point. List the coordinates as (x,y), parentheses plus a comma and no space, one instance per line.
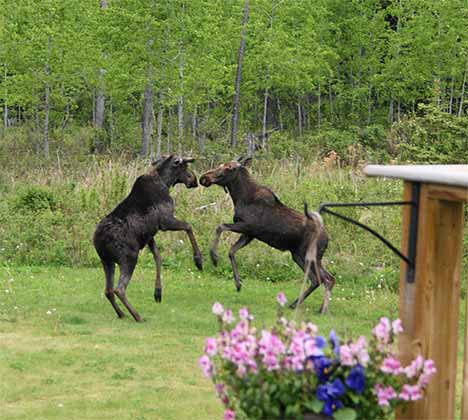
(126,271)
(299,260)
(328,282)
(157,259)
(109,270)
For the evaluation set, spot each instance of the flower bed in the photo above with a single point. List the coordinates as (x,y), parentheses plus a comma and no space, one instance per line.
(291,370)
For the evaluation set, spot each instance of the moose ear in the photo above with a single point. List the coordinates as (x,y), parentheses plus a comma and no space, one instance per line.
(188,159)
(244,160)
(178,160)
(158,163)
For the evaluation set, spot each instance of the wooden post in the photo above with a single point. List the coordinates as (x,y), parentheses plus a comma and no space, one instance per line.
(464,410)
(429,307)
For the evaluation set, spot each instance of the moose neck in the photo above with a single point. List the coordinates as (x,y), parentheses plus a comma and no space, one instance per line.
(241,187)
(167,178)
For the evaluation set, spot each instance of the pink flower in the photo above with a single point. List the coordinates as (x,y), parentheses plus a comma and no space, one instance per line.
(205,363)
(396,327)
(346,356)
(382,330)
(221,392)
(210,346)
(229,415)
(244,314)
(429,367)
(217,309)
(413,369)
(359,349)
(391,365)
(227,316)
(410,393)
(281,299)
(384,394)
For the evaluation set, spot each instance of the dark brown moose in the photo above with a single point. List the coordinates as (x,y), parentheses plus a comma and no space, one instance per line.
(132,225)
(259,214)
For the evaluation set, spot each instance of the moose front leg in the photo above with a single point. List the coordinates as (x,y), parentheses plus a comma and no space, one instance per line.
(241,242)
(175,225)
(233,227)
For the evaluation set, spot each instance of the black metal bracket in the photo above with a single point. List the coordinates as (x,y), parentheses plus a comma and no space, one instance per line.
(413,225)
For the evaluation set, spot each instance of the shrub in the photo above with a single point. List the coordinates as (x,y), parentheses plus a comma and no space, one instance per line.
(290,370)
(35,198)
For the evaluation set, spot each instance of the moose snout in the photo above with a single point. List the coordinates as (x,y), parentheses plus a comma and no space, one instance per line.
(193,183)
(205,181)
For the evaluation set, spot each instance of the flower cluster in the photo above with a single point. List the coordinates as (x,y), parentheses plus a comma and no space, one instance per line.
(291,369)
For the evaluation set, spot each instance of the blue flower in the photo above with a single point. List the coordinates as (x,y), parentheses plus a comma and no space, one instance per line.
(320,342)
(356,380)
(335,342)
(321,367)
(330,406)
(329,393)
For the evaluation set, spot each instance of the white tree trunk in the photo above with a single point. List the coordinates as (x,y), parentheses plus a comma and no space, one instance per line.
(237,84)
(264,119)
(147,119)
(47,102)
(460,108)
(159,125)
(180,104)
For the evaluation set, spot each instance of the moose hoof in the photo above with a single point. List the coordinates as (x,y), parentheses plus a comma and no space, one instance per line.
(293,305)
(198,262)
(158,295)
(214,258)
(238,287)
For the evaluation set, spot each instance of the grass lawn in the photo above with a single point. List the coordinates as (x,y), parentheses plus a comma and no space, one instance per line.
(64,353)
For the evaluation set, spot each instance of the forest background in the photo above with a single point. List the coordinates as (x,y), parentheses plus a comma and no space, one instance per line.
(371,80)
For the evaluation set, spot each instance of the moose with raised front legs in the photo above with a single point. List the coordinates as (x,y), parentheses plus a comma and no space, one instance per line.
(132,225)
(259,214)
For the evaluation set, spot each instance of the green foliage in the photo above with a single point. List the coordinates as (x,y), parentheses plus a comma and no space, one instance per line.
(35,199)
(334,75)
(432,136)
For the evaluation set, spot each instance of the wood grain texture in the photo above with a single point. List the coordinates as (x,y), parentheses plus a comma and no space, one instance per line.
(430,311)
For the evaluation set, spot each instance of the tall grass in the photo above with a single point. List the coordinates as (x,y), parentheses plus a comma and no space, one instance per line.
(48,215)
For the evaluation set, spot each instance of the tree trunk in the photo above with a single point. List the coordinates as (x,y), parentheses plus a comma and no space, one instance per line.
(5,116)
(330,100)
(299,118)
(319,107)
(280,117)
(180,104)
(111,122)
(390,111)
(369,104)
(99,102)
(169,134)
(240,57)
(47,102)
(452,86)
(460,107)
(159,125)
(5,106)
(264,119)
(37,130)
(147,119)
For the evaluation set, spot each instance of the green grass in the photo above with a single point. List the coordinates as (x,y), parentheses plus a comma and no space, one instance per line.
(64,354)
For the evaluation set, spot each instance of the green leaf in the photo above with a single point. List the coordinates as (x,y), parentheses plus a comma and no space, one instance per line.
(315,405)
(353,397)
(345,414)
